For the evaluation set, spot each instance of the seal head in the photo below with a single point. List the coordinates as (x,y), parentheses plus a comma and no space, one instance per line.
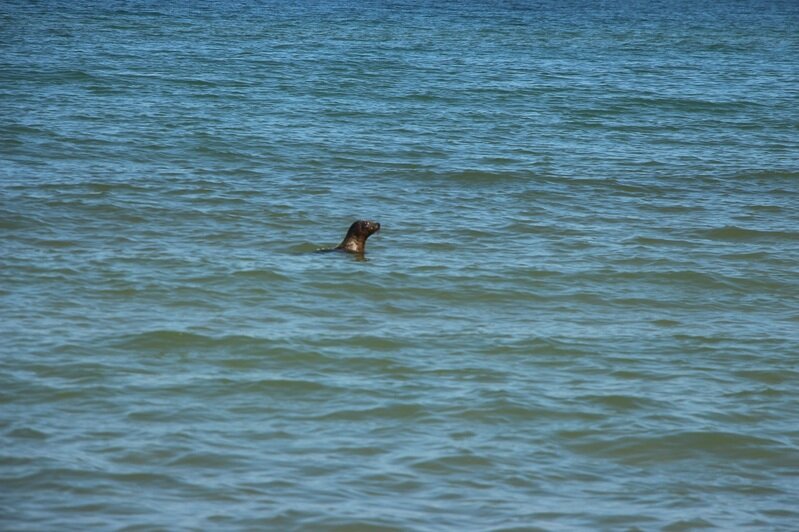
(355,241)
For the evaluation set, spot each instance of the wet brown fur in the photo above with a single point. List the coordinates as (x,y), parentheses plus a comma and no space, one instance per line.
(355,241)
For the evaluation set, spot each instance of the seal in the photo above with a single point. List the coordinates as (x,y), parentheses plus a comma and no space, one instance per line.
(355,240)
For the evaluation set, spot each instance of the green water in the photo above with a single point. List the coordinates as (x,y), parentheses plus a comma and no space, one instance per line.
(581,311)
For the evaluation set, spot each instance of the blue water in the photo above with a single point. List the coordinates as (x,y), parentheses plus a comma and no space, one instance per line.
(581,311)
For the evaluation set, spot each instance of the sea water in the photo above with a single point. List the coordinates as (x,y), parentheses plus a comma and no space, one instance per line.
(581,312)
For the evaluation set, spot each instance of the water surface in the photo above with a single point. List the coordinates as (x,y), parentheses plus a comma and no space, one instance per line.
(581,311)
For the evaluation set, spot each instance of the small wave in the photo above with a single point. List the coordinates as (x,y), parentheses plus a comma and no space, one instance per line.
(770,377)
(767,208)
(502,411)
(332,522)
(375,343)
(666,323)
(681,104)
(11,220)
(265,276)
(538,229)
(734,233)
(702,339)
(400,411)
(282,386)
(545,346)
(25,129)
(620,402)
(452,463)
(689,524)
(703,280)
(473,176)
(167,339)
(68,75)
(769,175)
(105,187)
(27,433)
(207,460)
(749,256)
(768,393)
(50,243)
(653,241)
(685,446)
